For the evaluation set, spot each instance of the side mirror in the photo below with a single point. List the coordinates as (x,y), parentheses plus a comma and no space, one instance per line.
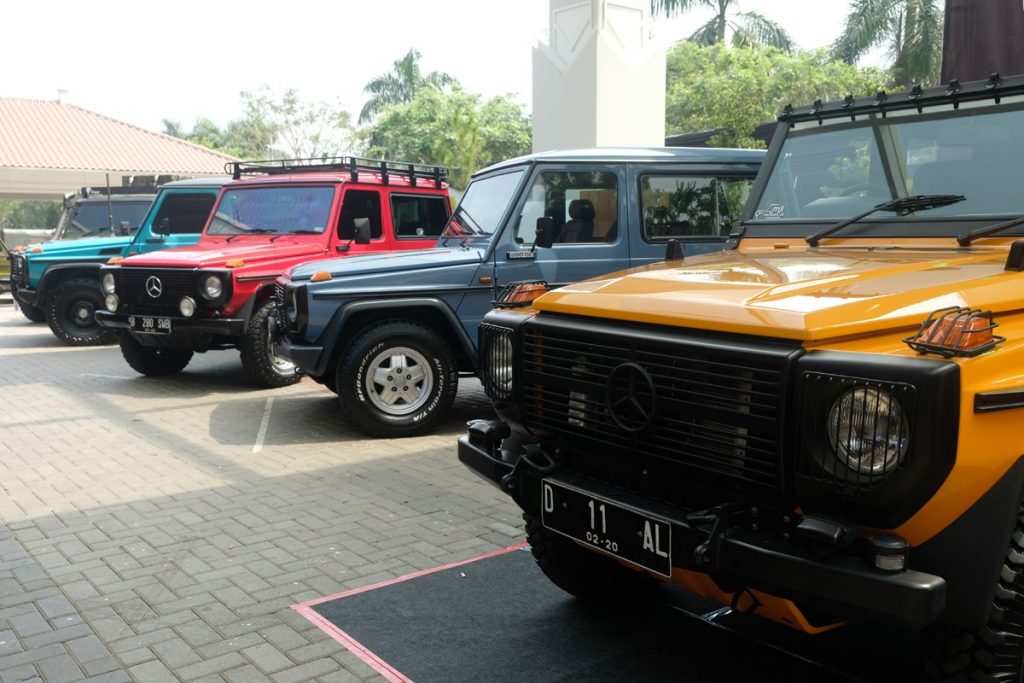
(123,228)
(361,230)
(164,226)
(546,232)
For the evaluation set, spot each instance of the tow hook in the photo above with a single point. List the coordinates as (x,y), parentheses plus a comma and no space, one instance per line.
(530,457)
(722,518)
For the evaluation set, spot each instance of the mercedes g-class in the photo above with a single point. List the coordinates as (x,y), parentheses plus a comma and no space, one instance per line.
(822,422)
(274,215)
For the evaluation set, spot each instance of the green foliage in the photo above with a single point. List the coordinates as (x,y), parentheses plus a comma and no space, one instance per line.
(455,129)
(749,29)
(274,126)
(912,29)
(400,85)
(41,215)
(737,89)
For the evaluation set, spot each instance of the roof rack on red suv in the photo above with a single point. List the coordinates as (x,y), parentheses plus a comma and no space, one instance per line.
(275,214)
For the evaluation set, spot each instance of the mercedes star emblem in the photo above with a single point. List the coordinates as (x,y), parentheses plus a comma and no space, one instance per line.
(154,287)
(631,397)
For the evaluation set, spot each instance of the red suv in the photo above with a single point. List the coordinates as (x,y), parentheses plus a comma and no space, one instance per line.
(218,294)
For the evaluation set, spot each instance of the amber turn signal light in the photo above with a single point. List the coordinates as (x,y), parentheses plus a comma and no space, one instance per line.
(320,276)
(113,261)
(234,263)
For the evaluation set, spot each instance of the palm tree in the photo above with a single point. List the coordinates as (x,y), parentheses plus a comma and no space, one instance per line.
(400,84)
(748,29)
(912,29)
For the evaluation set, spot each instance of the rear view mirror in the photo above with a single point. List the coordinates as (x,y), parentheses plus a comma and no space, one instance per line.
(546,232)
(361,230)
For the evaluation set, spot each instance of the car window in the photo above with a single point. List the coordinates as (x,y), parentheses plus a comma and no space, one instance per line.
(583,204)
(91,218)
(359,204)
(418,216)
(183,214)
(691,206)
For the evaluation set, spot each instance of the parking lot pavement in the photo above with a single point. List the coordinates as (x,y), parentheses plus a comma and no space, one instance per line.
(160,529)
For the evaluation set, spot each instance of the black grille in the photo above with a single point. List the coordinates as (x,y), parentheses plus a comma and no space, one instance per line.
(175,283)
(658,408)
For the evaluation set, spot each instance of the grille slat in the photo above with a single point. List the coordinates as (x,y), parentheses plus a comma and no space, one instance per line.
(717,403)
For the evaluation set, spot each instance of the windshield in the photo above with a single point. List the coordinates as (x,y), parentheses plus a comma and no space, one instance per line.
(837,169)
(93,218)
(272,210)
(485,202)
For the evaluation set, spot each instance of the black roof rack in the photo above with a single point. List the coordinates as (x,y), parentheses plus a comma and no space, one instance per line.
(351,165)
(995,87)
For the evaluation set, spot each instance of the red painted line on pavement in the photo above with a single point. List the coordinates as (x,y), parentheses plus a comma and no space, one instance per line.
(354,646)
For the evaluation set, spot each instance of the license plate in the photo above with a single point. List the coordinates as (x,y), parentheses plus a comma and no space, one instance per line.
(607,526)
(148,324)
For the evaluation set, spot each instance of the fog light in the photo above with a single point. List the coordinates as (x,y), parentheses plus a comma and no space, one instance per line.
(111,302)
(889,553)
(187,307)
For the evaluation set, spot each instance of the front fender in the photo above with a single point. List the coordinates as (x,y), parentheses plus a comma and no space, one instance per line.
(336,327)
(58,272)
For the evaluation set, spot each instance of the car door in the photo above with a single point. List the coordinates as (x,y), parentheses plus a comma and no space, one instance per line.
(587,204)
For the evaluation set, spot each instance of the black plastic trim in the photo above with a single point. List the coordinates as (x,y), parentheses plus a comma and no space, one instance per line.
(969,553)
(991,401)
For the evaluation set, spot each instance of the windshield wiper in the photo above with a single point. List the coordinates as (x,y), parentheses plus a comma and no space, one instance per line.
(251,231)
(296,232)
(965,239)
(902,206)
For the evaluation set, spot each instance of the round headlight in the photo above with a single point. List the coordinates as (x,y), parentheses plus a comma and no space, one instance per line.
(108,283)
(498,366)
(212,287)
(869,431)
(111,302)
(187,306)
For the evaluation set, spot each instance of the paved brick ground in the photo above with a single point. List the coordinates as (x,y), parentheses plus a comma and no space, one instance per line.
(144,536)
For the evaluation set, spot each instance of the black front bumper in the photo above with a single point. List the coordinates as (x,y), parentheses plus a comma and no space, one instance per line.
(845,586)
(25,297)
(304,356)
(225,327)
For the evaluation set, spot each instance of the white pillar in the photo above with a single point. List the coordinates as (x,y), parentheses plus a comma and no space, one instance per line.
(598,81)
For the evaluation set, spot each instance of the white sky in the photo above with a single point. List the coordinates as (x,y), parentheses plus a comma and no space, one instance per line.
(142,62)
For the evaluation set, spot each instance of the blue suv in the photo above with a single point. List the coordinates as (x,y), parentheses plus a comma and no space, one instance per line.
(392,333)
(58,281)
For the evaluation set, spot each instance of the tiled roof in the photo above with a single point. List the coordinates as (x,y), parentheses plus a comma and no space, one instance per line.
(50,135)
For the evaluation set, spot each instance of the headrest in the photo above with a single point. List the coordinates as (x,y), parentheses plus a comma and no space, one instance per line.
(581,210)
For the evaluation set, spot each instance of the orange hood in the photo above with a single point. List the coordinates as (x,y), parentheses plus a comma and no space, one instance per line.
(806,294)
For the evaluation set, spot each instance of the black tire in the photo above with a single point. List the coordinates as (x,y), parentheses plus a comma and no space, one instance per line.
(257,351)
(71,313)
(994,652)
(586,574)
(36,315)
(153,361)
(431,372)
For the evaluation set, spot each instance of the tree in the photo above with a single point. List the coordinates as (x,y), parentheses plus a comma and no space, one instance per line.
(749,29)
(454,129)
(400,85)
(274,126)
(911,28)
(737,89)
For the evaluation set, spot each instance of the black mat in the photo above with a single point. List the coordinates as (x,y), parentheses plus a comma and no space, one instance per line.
(500,619)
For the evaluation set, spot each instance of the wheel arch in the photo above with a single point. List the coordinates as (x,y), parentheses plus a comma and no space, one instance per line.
(57,273)
(433,313)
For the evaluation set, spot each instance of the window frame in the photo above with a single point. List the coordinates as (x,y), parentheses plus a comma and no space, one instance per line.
(715,178)
(568,169)
(412,195)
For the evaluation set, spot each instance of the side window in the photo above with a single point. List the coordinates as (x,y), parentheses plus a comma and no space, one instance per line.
(688,206)
(183,214)
(359,204)
(584,205)
(418,216)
